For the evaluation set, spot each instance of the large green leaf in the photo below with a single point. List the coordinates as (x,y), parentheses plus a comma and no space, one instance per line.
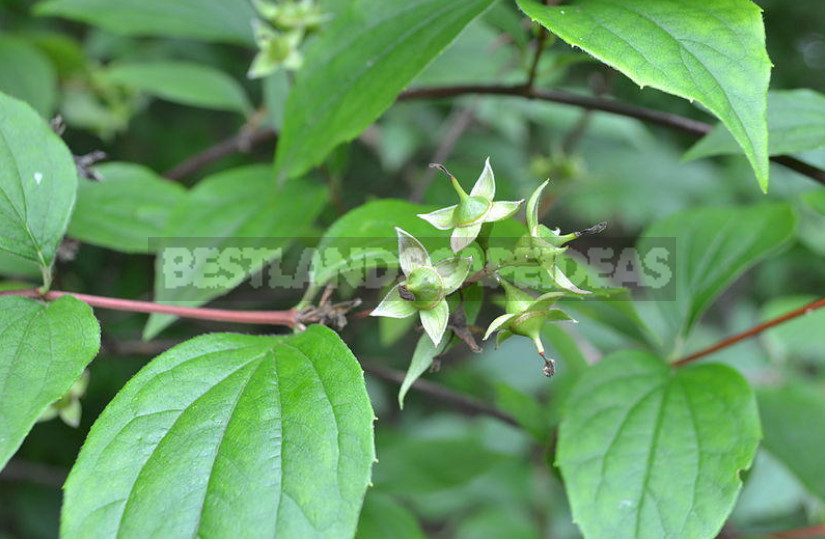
(793,418)
(225,230)
(183,82)
(705,250)
(27,74)
(43,350)
(209,20)
(125,210)
(796,123)
(648,452)
(356,69)
(230,436)
(38,181)
(712,52)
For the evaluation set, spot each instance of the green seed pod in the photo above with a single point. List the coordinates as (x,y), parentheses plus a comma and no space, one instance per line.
(426,287)
(525,317)
(471,210)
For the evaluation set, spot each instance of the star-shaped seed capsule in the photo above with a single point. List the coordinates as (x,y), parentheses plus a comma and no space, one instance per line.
(425,288)
(544,245)
(526,316)
(472,210)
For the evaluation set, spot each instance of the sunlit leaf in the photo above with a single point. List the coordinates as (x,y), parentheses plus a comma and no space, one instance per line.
(226,436)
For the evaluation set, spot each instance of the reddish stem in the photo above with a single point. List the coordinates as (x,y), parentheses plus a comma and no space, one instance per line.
(288,318)
(724,343)
(812,531)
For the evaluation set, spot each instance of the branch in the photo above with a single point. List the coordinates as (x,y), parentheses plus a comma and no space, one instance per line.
(811,307)
(532,73)
(691,127)
(33,472)
(439,392)
(242,141)
(289,318)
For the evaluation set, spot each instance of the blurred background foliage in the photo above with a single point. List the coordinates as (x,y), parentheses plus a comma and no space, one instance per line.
(452,475)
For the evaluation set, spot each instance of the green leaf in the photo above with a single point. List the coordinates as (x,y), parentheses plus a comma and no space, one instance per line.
(796,123)
(225,230)
(27,74)
(525,409)
(17,267)
(793,418)
(712,52)
(705,250)
(422,360)
(365,238)
(648,452)
(227,435)
(384,517)
(130,206)
(355,70)
(209,20)
(38,181)
(411,467)
(183,82)
(490,521)
(43,350)
(816,200)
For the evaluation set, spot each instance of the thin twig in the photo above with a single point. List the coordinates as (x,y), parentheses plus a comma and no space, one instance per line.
(756,330)
(534,65)
(33,472)
(811,531)
(439,392)
(288,318)
(689,126)
(242,141)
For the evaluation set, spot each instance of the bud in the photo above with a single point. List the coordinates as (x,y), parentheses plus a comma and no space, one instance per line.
(275,50)
(426,287)
(472,210)
(543,245)
(292,15)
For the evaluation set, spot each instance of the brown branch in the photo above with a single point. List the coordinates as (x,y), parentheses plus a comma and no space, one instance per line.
(33,472)
(689,126)
(541,41)
(242,141)
(439,392)
(733,339)
(288,318)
